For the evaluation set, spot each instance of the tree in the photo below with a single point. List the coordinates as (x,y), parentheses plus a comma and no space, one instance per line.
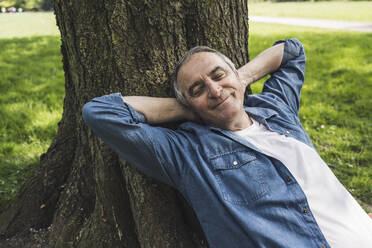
(83,195)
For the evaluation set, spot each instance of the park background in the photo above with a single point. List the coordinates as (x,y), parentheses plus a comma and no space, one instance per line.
(336,100)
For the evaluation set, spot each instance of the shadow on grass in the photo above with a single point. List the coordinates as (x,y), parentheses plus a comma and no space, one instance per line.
(32,87)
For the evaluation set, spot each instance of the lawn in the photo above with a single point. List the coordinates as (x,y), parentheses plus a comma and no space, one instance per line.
(345,11)
(336,99)
(32,87)
(27,24)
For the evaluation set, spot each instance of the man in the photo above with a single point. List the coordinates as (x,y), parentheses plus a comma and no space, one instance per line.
(248,169)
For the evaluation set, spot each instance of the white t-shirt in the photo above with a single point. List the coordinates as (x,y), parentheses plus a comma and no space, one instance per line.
(341,219)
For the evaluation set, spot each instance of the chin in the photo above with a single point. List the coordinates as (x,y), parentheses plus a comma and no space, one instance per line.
(224,121)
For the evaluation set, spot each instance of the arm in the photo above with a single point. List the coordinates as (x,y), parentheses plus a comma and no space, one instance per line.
(126,131)
(159,110)
(266,62)
(287,79)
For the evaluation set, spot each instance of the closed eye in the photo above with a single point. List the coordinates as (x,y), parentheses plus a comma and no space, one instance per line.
(218,76)
(197,90)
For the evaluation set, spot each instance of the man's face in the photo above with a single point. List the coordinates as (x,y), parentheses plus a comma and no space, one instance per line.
(212,89)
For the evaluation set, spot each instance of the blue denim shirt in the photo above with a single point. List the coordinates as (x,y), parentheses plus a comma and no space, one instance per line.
(242,197)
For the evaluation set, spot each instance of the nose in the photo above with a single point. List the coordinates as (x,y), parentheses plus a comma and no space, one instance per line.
(214,89)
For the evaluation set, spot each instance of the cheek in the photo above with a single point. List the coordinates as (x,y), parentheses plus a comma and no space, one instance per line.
(197,105)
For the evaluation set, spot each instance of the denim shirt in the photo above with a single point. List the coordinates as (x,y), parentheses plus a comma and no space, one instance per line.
(241,197)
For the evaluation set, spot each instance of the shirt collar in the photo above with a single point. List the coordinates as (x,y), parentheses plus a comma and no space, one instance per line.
(258,113)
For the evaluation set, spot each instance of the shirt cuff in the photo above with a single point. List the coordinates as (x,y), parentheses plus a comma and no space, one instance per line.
(138,117)
(116,99)
(292,49)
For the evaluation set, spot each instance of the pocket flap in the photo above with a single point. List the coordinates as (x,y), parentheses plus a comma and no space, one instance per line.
(232,160)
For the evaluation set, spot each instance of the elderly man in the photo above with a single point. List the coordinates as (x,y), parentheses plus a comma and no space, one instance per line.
(247,167)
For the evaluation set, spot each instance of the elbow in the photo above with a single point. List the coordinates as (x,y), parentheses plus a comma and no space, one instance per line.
(88,113)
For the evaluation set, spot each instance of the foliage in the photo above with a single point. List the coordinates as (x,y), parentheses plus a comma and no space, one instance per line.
(28,4)
(345,11)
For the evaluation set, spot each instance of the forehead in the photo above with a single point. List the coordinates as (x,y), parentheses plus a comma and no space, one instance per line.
(197,66)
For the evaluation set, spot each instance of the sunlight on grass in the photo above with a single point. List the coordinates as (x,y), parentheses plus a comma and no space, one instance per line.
(338,10)
(30,107)
(44,117)
(336,102)
(27,24)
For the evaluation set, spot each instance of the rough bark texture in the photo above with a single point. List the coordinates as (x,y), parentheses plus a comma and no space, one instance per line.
(83,195)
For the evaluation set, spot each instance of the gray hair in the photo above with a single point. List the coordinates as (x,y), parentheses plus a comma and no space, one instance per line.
(198,49)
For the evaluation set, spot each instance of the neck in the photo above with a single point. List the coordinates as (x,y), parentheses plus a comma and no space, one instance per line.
(239,124)
(243,121)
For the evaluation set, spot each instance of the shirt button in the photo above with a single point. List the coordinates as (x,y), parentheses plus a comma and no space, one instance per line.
(235,163)
(323,246)
(289,179)
(304,211)
(287,132)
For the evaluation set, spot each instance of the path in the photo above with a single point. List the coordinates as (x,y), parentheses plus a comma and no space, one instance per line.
(319,23)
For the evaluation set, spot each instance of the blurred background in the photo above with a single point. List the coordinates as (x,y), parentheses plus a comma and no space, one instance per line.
(29,5)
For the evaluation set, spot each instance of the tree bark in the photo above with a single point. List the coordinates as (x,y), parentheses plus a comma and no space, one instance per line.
(83,195)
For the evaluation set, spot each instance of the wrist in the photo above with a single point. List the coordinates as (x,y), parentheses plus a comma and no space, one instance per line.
(245,75)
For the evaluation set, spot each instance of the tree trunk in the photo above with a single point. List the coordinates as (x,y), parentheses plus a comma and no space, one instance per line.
(83,195)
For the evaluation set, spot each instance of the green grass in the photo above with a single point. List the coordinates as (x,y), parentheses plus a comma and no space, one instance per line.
(345,11)
(336,102)
(32,87)
(27,24)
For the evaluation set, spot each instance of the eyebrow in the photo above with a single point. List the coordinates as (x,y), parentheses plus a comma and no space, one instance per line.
(215,69)
(198,82)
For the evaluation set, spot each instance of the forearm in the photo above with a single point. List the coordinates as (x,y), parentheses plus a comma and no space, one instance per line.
(266,62)
(159,110)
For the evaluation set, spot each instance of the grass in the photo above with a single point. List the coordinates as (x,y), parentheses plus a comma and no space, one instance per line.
(345,11)
(336,102)
(27,24)
(32,86)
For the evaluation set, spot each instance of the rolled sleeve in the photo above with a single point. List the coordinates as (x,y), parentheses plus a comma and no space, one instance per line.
(286,82)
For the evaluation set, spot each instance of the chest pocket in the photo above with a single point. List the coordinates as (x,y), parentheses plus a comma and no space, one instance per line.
(240,177)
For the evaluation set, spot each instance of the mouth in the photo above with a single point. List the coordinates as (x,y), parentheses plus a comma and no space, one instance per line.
(221,102)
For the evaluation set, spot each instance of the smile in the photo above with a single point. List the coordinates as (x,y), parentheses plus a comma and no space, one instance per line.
(221,102)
